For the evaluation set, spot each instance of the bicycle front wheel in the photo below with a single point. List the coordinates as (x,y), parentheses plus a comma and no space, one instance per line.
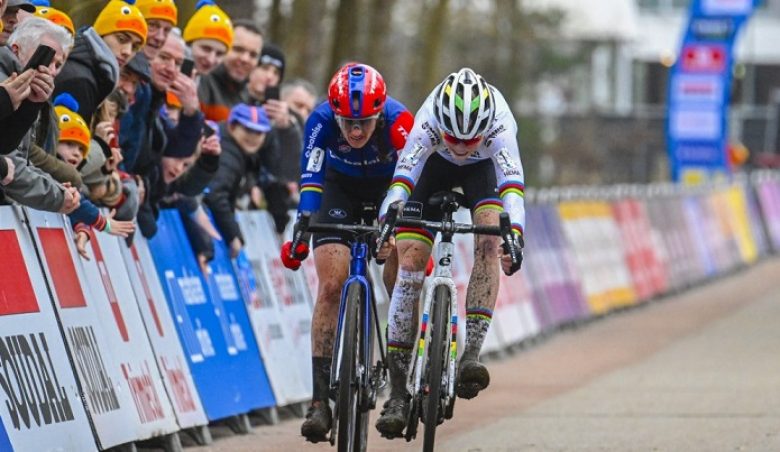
(349,416)
(436,362)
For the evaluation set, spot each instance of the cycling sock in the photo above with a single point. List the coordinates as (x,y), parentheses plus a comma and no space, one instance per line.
(398,363)
(401,330)
(320,373)
(477,325)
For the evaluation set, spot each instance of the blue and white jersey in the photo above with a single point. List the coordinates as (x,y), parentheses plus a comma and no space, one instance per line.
(325,147)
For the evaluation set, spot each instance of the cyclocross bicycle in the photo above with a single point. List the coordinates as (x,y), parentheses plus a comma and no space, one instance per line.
(354,380)
(433,384)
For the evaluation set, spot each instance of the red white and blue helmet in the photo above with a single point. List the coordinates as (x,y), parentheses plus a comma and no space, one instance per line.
(357,91)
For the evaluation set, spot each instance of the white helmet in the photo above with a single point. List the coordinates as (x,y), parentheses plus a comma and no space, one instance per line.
(464,105)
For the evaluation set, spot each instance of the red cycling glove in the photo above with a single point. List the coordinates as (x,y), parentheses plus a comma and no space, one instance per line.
(301,252)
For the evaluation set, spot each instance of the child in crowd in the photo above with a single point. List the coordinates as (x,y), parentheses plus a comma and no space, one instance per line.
(74,145)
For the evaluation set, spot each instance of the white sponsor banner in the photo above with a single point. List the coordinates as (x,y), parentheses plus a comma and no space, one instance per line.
(117,309)
(699,88)
(109,399)
(726,7)
(696,123)
(167,349)
(41,408)
(280,317)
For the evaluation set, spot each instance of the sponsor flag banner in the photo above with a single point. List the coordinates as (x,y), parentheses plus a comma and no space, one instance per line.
(41,407)
(699,90)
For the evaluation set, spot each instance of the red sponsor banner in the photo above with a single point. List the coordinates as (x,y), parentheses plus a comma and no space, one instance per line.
(109,287)
(709,58)
(63,272)
(16,291)
(147,291)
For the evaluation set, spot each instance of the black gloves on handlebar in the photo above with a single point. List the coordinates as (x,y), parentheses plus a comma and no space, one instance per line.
(516,252)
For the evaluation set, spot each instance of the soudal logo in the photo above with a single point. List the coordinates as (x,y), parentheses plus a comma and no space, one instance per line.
(33,394)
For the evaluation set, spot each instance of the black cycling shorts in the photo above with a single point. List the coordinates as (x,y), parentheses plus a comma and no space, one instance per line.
(343,199)
(478,181)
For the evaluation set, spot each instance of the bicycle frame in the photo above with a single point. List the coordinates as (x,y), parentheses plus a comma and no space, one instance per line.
(358,273)
(442,277)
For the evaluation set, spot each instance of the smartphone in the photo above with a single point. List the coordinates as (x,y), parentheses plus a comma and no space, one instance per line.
(42,57)
(272,92)
(187,66)
(208,131)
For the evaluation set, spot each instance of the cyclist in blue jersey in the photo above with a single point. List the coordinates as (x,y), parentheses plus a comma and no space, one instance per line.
(351,146)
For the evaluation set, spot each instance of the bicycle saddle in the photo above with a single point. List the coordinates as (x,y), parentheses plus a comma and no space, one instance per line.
(449,201)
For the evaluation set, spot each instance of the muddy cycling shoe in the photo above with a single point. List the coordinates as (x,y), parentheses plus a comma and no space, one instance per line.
(392,422)
(317,424)
(473,377)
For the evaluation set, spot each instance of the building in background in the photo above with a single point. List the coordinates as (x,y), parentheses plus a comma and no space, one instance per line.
(621,90)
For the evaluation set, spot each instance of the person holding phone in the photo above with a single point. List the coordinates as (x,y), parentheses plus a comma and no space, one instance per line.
(281,155)
(29,90)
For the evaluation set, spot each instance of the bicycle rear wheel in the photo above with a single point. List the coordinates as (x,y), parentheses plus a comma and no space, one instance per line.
(349,412)
(436,359)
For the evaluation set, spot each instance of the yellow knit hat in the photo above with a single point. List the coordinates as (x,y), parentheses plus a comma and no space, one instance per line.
(43,9)
(72,126)
(209,22)
(159,9)
(121,15)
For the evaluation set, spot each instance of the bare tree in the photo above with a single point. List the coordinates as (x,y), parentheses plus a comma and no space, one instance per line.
(343,46)
(276,22)
(424,66)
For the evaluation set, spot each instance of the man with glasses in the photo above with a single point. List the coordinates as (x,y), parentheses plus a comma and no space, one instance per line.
(463,136)
(351,146)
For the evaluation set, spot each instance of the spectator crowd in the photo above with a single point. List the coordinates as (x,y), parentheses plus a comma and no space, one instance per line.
(111,121)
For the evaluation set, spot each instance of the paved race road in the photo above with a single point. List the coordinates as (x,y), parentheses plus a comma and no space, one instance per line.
(694,372)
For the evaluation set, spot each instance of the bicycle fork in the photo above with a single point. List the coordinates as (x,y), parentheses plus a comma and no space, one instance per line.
(442,277)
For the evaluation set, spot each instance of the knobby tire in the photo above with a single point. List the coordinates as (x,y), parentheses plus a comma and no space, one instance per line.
(348,406)
(436,358)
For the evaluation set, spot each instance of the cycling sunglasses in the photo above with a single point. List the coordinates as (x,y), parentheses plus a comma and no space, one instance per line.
(349,123)
(452,140)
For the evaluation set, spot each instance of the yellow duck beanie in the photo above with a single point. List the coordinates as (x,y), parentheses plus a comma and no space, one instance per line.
(44,9)
(159,9)
(209,22)
(121,15)
(72,126)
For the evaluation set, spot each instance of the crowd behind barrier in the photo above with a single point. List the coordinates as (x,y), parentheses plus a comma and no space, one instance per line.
(138,343)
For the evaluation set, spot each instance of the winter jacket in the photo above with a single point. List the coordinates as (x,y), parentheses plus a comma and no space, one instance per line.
(192,183)
(90,73)
(15,125)
(218,93)
(235,167)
